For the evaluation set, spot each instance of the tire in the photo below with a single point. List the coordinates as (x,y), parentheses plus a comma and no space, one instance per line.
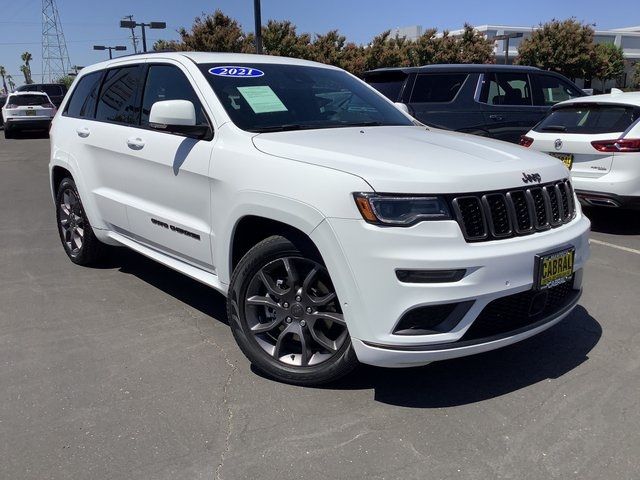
(8,132)
(77,237)
(286,317)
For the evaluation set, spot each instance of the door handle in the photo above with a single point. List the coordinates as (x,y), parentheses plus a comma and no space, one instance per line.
(496,117)
(83,132)
(135,143)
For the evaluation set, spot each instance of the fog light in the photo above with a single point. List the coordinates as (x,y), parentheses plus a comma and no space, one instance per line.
(430,276)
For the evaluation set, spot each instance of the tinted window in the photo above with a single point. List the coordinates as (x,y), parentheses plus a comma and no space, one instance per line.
(55,90)
(119,96)
(556,90)
(291,97)
(25,100)
(506,89)
(165,82)
(441,87)
(389,84)
(590,119)
(83,100)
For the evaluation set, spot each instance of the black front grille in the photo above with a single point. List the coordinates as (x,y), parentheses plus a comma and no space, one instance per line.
(520,310)
(495,215)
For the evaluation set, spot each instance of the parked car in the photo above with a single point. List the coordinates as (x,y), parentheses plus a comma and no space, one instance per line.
(3,100)
(338,229)
(56,91)
(498,101)
(598,138)
(27,111)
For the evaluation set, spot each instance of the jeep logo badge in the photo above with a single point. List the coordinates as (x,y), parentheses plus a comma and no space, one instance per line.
(558,144)
(531,177)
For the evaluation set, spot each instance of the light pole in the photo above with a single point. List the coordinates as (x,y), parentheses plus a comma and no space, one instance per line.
(258,24)
(117,48)
(506,38)
(133,24)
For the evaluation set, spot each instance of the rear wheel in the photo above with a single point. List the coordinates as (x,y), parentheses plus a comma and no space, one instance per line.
(8,132)
(76,234)
(286,316)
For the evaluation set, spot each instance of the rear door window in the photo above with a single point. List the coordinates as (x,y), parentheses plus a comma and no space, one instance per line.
(166,82)
(118,102)
(589,119)
(552,90)
(437,87)
(388,84)
(506,89)
(27,100)
(83,100)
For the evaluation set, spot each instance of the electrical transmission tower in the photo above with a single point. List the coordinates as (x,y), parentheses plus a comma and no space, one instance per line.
(55,57)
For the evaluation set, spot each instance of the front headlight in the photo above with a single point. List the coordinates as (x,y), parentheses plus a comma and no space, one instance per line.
(401,210)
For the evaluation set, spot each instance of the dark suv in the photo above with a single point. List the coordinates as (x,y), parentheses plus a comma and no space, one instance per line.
(56,91)
(499,101)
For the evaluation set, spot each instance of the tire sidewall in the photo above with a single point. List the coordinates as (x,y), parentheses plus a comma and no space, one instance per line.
(78,258)
(263,253)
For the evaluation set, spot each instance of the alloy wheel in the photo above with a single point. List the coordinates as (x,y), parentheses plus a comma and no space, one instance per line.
(71,221)
(293,312)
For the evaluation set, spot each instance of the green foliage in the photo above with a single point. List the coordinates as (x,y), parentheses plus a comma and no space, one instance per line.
(608,62)
(66,80)
(220,33)
(561,46)
(636,77)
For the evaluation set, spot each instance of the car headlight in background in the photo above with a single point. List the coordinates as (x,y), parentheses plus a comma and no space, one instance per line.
(401,210)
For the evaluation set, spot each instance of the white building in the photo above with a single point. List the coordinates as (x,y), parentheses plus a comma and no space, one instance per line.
(627,38)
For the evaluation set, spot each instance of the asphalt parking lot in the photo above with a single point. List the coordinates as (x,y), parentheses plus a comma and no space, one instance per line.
(130,371)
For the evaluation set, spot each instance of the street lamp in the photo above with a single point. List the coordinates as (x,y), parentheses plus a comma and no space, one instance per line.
(117,48)
(134,24)
(506,38)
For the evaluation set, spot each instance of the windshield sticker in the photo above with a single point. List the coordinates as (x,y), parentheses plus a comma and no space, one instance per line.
(262,99)
(236,72)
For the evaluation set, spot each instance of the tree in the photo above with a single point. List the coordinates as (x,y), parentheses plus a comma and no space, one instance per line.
(635,82)
(280,38)
(12,84)
(211,33)
(474,47)
(26,68)
(65,80)
(561,46)
(609,62)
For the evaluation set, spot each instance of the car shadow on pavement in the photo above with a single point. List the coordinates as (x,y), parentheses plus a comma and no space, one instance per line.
(613,221)
(30,134)
(191,292)
(462,381)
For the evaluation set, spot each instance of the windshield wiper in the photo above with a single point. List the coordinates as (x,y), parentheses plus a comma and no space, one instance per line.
(362,124)
(554,128)
(280,128)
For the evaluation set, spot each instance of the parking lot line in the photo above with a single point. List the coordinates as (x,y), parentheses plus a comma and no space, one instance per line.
(613,245)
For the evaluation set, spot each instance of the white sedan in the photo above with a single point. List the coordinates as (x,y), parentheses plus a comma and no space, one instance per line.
(27,111)
(598,139)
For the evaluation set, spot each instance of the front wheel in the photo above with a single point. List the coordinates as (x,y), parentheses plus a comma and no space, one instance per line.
(76,234)
(286,316)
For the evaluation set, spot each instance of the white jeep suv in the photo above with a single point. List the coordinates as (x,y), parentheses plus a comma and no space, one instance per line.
(339,229)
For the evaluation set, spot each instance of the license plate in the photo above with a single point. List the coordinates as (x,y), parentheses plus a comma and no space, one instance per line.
(566,158)
(30,113)
(554,269)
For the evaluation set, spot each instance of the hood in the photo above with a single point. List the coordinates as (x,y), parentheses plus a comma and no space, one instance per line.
(407,159)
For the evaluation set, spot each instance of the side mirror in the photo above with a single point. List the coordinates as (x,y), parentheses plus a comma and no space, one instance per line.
(176,116)
(402,107)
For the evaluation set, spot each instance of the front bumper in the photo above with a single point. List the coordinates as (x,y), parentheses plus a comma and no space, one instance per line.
(364,263)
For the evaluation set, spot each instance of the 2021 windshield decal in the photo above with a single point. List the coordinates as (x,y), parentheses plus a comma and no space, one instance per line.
(236,72)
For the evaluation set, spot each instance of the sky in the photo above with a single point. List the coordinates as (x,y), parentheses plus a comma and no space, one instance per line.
(89,22)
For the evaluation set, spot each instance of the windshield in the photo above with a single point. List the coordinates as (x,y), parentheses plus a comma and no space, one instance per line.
(589,119)
(26,100)
(275,97)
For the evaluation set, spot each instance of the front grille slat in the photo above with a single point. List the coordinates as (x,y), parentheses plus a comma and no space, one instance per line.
(504,214)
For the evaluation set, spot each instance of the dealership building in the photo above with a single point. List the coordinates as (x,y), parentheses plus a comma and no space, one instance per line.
(626,38)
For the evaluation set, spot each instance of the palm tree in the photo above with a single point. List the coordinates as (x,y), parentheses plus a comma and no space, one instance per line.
(26,68)
(3,74)
(12,84)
